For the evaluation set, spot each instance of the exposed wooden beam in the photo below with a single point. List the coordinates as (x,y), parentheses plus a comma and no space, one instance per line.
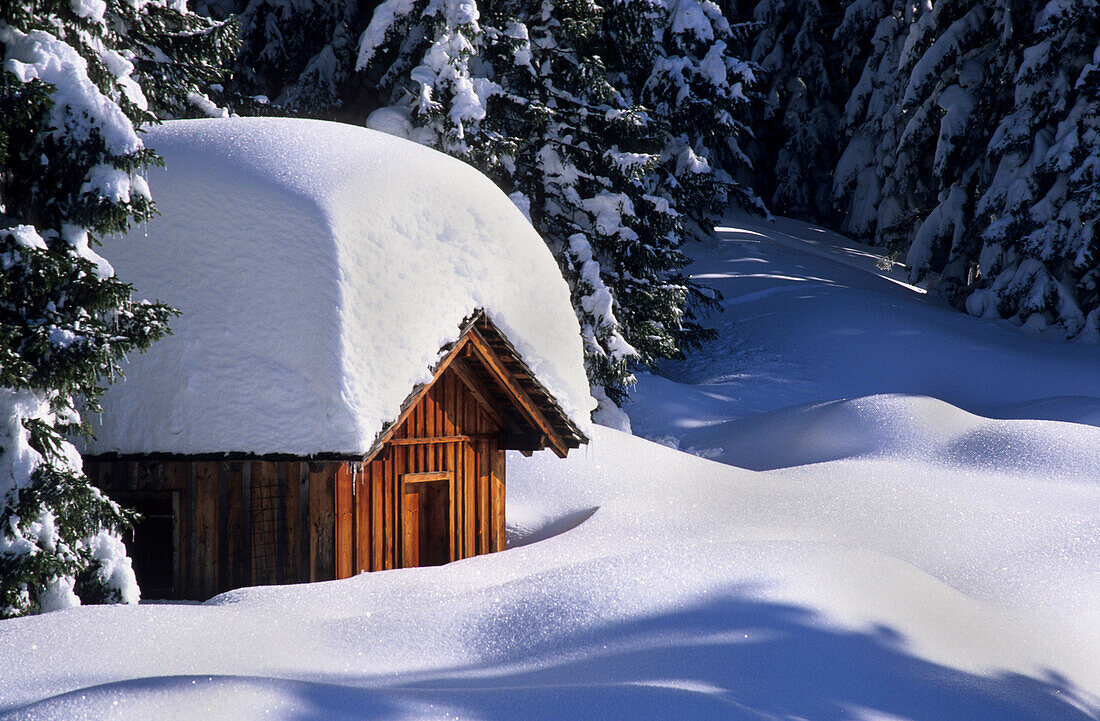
(441,439)
(466,375)
(525,442)
(427,477)
(492,361)
(415,398)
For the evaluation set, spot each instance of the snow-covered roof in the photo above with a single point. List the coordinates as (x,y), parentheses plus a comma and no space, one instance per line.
(320,268)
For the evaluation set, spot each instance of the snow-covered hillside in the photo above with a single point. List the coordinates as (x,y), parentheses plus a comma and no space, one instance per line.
(897,520)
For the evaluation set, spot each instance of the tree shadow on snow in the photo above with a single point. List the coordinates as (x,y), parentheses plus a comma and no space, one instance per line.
(731,658)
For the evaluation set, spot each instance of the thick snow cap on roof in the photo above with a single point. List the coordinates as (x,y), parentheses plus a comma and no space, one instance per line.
(319,268)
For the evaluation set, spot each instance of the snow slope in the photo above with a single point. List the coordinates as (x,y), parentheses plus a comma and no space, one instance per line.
(319,269)
(882,552)
(810,318)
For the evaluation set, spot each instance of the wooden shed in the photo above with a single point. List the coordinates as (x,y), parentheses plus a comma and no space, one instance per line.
(366,327)
(431,490)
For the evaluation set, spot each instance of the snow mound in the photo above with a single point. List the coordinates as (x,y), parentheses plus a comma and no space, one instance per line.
(319,268)
(696,591)
(904,426)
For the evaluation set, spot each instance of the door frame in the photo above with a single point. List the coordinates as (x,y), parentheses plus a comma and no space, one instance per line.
(412,479)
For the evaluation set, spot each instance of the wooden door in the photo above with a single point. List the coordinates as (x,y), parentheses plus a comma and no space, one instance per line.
(427,518)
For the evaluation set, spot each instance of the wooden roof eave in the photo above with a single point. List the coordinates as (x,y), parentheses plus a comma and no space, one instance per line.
(472,341)
(410,402)
(518,395)
(567,429)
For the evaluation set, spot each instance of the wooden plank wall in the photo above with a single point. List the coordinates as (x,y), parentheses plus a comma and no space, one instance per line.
(238,523)
(242,523)
(369,533)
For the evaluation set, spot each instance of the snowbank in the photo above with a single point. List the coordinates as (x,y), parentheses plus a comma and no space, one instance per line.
(319,268)
(905,559)
(900,587)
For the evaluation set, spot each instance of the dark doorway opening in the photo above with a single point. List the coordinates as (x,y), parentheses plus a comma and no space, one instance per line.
(153,547)
(426,519)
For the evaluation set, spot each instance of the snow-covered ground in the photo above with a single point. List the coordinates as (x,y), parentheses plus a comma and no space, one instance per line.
(890,511)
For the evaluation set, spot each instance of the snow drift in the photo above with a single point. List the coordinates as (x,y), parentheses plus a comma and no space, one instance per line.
(319,269)
(907,557)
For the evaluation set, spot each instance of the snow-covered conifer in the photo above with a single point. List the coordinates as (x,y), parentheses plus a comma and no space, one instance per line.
(872,33)
(676,59)
(1040,259)
(600,122)
(78,80)
(299,54)
(973,152)
(797,133)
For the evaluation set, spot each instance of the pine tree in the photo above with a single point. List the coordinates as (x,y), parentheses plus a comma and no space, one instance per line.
(1040,259)
(595,120)
(299,55)
(874,33)
(78,80)
(956,61)
(798,130)
(676,60)
(972,153)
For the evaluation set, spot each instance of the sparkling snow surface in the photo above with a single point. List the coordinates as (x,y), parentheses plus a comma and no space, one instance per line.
(883,553)
(319,268)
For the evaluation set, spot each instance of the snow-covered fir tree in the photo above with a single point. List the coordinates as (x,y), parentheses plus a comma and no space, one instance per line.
(968,126)
(297,55)
(677,60)
(79,79)
(954,60)
(1040,259)
(801,121)
(614,128)
(874,33)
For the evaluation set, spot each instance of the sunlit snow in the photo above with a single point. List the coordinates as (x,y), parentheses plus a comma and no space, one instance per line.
(354,257)
(901,523)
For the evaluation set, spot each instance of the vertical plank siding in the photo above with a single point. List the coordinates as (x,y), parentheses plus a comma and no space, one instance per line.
(238,542)
(268,506)
(293,522)
(322,521)
(240,523)
(497,482)
(374,513)
(235,523)
(175,476)
(345,522)
(206,523)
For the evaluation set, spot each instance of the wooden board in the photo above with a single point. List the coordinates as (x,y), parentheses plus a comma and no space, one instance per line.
(266,511)
(497,492)
(484,497)
(207,493)
(468,490)
(427,477)
(322,521)
(410,524)
(239,541)
(225,567)
(345,521)
(377,479)
(362,517)
(293,523)
(175,476)
(306,541)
